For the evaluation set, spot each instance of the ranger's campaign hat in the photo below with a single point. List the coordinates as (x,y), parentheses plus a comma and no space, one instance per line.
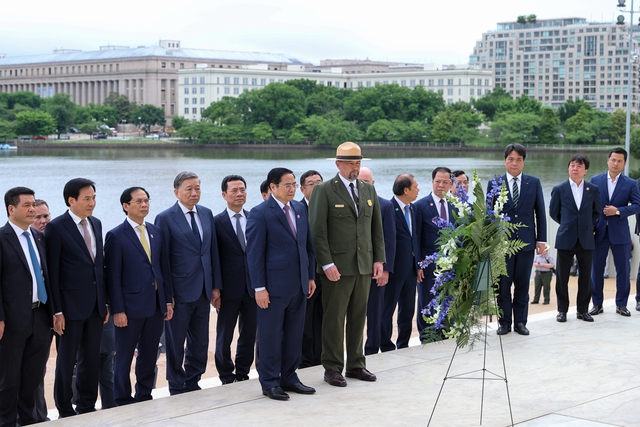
(348,151)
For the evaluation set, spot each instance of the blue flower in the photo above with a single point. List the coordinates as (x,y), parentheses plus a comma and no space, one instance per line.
(441,223)
(428,260)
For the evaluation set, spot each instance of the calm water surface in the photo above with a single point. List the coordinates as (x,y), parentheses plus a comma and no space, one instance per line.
(113,170)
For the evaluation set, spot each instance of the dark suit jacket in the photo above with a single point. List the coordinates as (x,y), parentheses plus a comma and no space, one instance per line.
(426,210)
(626,197)
(186,267)
(530,211)
(389,231)
(77,282)
(16,282)
(130,276)
(277,260)
(233,260)
(575,225)
(353,243)
(408,246)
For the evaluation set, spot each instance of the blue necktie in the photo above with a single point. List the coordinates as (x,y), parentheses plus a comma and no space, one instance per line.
(42,291)
(194,228)
(407,217)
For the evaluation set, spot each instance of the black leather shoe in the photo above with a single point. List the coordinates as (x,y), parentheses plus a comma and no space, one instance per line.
(299,388)
(335,378)
(545,303)
(521,329)
(360,373)
(242,378)
(503,330)
(638,306)
(276,393)
(584,316)
(561,317)
(534,302)
(623,311)
(597,309)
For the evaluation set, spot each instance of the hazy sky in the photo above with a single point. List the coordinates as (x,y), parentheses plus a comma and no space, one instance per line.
(399,30)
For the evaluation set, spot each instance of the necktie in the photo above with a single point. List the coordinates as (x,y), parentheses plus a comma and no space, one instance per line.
(239,232)
(516,192)
(194,228)
(353,193)
(407,217)
(143,240)
(443,210)
(42,291)
(293,228)
(87,238)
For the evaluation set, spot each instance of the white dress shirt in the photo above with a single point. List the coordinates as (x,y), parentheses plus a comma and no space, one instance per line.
(25,248)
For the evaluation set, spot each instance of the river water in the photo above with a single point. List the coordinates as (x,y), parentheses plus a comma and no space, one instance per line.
(46,170)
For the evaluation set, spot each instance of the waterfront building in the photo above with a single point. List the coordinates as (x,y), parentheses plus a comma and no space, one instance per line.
(556,60)
(202,85)
(146,75)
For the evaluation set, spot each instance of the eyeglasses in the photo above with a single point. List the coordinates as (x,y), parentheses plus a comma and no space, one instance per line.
(139,202)
(288,186)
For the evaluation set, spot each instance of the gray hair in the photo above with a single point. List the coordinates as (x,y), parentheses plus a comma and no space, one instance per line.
(181,177)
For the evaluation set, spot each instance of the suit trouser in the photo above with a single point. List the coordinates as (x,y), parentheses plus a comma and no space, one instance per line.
(143,334)
(424,297)
(374,318)
(344,299)
(107,353)
(400,292)
(565,261)
(244,312)
(516,310)
(280,330)
(80,342)
(190,322)
(23,359)
(621,255)
(312,335)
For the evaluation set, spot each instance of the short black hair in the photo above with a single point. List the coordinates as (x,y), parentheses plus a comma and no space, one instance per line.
(618,150)
(440,169)
(457,173)
(73,187)
(181,177)
(518,148)
(307,174)
(127,195)
(580,159)
(402,181)
(275,175)
(227,179)
(12,196)
(264,187)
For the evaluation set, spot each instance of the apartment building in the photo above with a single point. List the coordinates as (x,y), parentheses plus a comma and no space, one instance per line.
(556,60)
(200,86)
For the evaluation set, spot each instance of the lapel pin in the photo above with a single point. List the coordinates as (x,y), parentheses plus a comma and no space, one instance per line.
(151,235)
(298,216)
(430,204)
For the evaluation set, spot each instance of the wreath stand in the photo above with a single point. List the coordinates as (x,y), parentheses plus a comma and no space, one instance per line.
(481,285)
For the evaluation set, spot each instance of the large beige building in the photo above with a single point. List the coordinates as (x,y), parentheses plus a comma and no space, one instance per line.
(146,75)
(556,60)
(200,86)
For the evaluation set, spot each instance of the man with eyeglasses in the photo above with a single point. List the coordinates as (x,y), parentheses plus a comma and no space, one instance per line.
(525,205)
(312,337)
(139,300)
(237,306)
(280,258)
(346,225)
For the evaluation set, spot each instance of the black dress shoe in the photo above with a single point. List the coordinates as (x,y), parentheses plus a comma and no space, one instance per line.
(597,309)
(623,311)
(335,378)
(299,388)
(276,393)
(360,373)
(638,306)
(521,329)
(561,317)
(534,302)
(545,303)
(584,316)
(242,378)
(503,330)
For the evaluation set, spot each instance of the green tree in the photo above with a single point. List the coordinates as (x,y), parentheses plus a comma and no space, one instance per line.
(123,106)
(150,115)
(35,123)
(571,108)
(7,130)
(329,129)
(178,122)
(262,132)
(577,129)
(549,126)
(224,112)
(280,105)
(326,100)
(488,104)
(62,109)
(306,86)
(521,105)
(522,128)
(380,130)
(28,99)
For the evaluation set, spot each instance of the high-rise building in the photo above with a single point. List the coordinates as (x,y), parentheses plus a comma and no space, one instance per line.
(556,60)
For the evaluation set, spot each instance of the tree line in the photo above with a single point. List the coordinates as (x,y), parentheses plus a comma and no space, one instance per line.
(27,114)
